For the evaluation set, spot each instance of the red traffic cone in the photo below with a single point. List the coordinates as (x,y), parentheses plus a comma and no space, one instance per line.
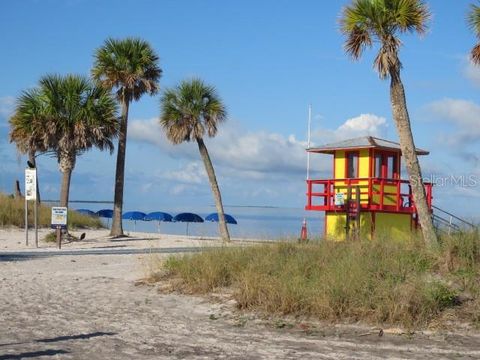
(303,233)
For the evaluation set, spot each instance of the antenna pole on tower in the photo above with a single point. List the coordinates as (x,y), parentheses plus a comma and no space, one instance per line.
(309,132)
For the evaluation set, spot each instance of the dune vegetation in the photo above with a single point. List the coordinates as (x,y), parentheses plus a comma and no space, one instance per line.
(378,282)
(12,213)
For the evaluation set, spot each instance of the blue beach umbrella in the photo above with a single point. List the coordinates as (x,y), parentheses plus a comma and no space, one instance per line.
(158,216)
(229,219)
(135,216)
(86,212)
(188,218)
(105,213)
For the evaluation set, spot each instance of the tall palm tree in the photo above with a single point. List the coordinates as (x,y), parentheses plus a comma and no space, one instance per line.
(474,22)
(26,128)
(130,68)
(70,116)
(365,22)
(189,112)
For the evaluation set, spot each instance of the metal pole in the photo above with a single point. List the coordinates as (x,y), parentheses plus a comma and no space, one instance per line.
(59,237)
(26,220)
(308,139)
(35,209)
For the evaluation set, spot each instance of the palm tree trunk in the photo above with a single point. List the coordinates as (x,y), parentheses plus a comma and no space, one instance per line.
(407,145)
(65,190)
(33,160)
(117,226)
(222,225)
(67,163)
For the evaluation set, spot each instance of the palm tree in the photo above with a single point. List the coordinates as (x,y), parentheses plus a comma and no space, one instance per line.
(189,111)
(474,22)
(26,128)
(130,68)
(69,115)
(382,21)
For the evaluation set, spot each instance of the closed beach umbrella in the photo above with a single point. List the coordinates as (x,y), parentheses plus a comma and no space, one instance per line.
(85,212)
(158,216)
(135,216)
(229,219)
(188,218)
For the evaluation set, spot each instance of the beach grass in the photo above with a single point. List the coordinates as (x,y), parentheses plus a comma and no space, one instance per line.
(381,281)
(12,213)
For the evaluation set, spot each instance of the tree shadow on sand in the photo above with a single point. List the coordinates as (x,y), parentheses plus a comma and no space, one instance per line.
(34,354)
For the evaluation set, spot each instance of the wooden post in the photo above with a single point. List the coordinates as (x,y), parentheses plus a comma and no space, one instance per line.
(309,194)
(26,221)
(35,215)
(347,211)
(18,192)
(59,237)
(357,215)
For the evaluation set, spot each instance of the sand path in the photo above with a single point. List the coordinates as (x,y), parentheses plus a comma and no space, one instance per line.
(88,307)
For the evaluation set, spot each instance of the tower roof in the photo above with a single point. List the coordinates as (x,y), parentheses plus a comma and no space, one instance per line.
(364,142)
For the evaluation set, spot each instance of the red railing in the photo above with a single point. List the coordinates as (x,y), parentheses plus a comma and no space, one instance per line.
(376,194)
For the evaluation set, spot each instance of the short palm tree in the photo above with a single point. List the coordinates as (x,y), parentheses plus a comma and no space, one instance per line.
(26,127)
(130,68)
(71,116)
(474,22)
(365,22)
(189,112)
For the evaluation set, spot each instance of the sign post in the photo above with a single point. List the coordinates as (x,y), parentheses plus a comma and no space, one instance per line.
(59,222)
(31,194)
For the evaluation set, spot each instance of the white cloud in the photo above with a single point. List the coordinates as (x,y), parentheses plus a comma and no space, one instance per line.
(362,125)
(6,105)
(193,173)
(365,124)
(463,114)
(251,155)
(471,71)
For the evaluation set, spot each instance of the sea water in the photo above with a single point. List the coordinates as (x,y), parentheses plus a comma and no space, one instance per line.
(253,222)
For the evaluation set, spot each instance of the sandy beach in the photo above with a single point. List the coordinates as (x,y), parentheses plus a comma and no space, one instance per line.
(91,306)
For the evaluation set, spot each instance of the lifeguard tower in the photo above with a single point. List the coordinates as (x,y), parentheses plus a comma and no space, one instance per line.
(367,195)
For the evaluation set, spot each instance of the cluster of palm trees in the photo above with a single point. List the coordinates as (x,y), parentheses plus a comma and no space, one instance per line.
(69,115)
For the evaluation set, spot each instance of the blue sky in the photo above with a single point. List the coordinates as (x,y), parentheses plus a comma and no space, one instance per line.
(268,59)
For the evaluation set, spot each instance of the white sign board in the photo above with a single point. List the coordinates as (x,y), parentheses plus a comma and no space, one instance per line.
(30,184)
(339,199)
(59,217)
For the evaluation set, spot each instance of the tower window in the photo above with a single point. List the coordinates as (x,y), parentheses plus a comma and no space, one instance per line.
(352,165)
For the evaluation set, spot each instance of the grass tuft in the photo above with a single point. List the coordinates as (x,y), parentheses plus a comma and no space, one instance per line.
(381,281)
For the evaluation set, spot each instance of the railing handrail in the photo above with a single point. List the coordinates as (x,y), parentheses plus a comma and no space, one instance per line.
(453,216)
(402,181)
(384,194)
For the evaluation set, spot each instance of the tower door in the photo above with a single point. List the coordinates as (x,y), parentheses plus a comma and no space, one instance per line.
(387,165)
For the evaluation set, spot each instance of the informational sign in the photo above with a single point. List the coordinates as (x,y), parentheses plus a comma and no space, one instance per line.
(339,199)
(30,184)
(59,217)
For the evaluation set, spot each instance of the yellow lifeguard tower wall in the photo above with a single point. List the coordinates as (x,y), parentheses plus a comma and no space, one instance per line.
(398,225)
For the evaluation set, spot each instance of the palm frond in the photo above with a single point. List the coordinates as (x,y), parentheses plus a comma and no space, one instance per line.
(365,22)
(191,110)
(127,66)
